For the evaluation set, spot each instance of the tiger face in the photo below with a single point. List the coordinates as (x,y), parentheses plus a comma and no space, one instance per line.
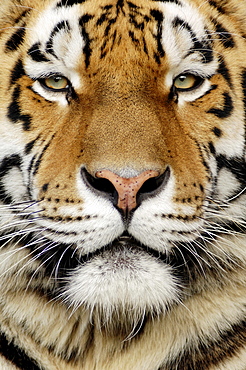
(122,149)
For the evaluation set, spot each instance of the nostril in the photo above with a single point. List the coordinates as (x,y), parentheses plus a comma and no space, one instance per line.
(151,186)
(126,193)
(100,185)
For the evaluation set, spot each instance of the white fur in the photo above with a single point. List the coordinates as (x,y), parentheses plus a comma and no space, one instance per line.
(125,280)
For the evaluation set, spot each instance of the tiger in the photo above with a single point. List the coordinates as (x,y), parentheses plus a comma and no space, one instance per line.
(122,185)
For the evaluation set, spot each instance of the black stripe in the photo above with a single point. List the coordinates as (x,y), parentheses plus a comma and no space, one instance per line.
(4,197)
(244,88)
(63,25)
(211,148)
(35,165)
(205,50)
(217,131)
(14,111)
(22,15)
(235,226)
(15,40)
(214,4)
(236,166)
(58,261)
(226,110)
(211,353)
(16,355)
(6,165)
(30,145)
(35,53)
(105,15)
(224,71)
(136,17)
(224,35)
(243,77)
(158,16)
(87,48)
(133,38)
(212,88)
(169,1)
(203,47)
(17,72)
(178,22)
(67,3)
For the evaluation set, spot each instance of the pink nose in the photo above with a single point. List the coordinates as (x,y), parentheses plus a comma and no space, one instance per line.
(127,188)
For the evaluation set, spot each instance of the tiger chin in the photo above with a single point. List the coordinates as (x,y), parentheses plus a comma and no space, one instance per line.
(129,287)
(122,185)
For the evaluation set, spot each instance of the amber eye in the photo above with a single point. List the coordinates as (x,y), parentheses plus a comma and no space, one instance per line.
(57,83)
(187,82)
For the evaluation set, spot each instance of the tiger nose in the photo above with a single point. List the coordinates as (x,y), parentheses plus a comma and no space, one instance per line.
(127,188)
(126,193)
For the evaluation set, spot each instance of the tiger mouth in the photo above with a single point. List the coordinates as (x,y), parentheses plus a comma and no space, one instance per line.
(125,242)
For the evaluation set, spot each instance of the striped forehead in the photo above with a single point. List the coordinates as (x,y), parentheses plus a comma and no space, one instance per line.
(183,28)
(178,30)
(56,35)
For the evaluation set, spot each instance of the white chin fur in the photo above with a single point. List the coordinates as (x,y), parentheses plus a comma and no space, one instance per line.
(123,280)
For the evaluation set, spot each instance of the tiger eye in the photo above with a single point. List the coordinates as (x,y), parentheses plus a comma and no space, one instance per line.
(186,82)
(56,82)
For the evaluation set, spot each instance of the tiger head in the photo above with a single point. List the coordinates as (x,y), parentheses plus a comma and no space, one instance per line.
(122,149)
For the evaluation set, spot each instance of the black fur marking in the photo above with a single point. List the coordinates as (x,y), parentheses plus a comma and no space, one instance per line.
(211,352)
(135,18)
(217,131)
(63,25)
(203,47)
(17,72)
(236,166)
(105,17)
(170,1)
(134,14)
(244,88)
(66,3)
(205,50)
(6,165)
(108,28)
(29,174)
(30,145)
(62,255)
(211,147)
(16,355)
(15,40)
(35,53)
(36,164)
(226,110)
(14,111)
(158,16)
(244,100)
(224,71)
(224,35)
(218,7)
(212,88)
(45,187)
(133,38)
(108,19)
(23,15)
(87,48)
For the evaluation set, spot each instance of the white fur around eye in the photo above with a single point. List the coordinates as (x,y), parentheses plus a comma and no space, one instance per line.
(59,97)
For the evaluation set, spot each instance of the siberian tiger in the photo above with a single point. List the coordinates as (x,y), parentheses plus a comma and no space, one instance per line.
(122,184)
